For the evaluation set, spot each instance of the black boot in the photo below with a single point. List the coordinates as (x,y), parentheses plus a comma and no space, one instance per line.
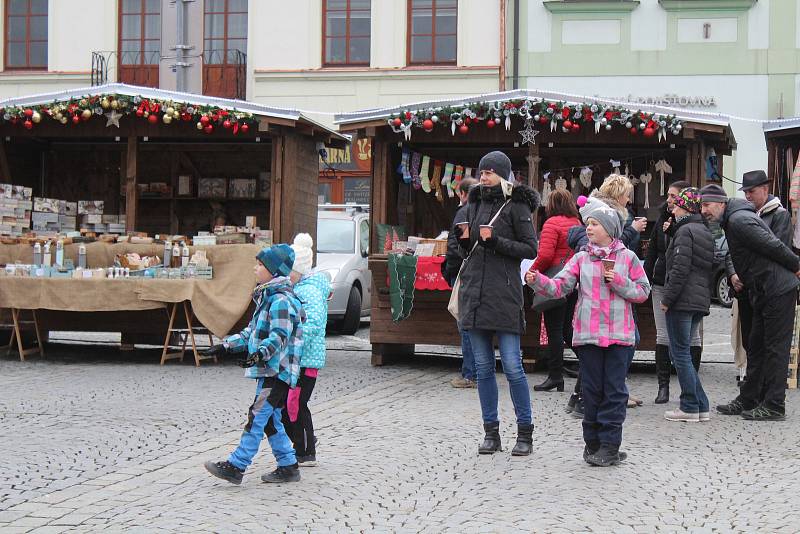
(287,473)
(549,385)
(607,455)
(491,441)
(226,471)
(524,444)
(662,373)
(697,354)
(591,447)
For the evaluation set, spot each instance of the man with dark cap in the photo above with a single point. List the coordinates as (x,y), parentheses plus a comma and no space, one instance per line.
(755,185)
(770,271)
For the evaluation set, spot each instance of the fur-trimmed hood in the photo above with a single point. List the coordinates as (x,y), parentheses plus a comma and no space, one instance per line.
(520,193)
(611,202)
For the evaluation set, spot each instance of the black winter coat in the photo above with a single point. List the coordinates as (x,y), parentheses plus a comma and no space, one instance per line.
(689,260)
(765,265)
(491,286)
(655,265)
(455,255)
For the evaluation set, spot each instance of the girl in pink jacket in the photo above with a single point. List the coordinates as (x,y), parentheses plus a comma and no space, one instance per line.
(610,277)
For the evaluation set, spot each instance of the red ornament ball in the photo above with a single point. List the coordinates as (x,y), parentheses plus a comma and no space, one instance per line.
(634,131)
(609,115)
(566,112)
(463,129)
(208,129)
(28,113)
(245,128)
(204,120)
(649,132)
(226,124)
(576,128)
(28,125)
(490,123)
(567,124)
(153,118)
(427,124)
(543,120)
(397,122)
(139,112)
(76,119)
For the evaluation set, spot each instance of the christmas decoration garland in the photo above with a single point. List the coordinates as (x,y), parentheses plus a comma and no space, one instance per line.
(570,118)
(113,107)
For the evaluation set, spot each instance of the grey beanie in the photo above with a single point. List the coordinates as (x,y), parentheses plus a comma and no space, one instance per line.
(713,193)
(496,162)
(607,216)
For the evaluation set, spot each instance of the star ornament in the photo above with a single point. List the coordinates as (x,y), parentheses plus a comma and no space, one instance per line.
(113,118)
(528,134)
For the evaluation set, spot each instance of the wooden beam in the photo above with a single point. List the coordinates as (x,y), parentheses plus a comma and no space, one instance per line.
(364,124)
(276,187)
(380,179)
(131,191)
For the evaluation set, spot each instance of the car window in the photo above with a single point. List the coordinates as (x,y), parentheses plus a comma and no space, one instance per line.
(364,235)
(336,236)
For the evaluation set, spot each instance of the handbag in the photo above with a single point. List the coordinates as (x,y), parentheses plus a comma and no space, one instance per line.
(452,305)
(542,303)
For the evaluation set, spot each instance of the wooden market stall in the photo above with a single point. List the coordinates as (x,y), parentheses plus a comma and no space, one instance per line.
(552,141)
(161,162)
(783,149)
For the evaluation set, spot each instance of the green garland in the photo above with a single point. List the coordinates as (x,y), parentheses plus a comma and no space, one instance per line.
(113,106)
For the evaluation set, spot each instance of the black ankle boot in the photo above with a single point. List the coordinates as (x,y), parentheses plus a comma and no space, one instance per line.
(524,444)
(662,374)
(591,447)
(491,441)
(697,354)
(606,456)
(573,400)
(549,385)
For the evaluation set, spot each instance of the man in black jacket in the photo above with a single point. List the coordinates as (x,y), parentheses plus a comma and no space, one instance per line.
(769,270)
(450,267)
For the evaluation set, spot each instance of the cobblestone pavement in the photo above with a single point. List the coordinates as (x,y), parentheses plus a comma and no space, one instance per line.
(97,440)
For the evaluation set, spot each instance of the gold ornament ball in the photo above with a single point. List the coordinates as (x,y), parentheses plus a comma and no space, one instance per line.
(86,113)
(170,110)
(167,119)
(63,120)
(199,125)
(176,114)
(123,104)
(114,104)
(36,117)
(59,116)
(104,103)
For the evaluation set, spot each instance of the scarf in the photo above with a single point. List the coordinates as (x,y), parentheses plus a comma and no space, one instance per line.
(598,252)
(772,204)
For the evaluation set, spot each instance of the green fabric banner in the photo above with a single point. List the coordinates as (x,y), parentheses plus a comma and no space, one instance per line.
(402,275)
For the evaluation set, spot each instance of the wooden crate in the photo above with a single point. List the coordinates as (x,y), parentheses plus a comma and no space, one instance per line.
(440,246)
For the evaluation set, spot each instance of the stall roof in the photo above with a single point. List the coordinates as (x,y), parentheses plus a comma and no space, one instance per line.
(253,108)
(781,124)
(372,117)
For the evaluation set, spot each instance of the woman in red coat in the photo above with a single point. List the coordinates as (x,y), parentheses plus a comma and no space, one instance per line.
(554,252)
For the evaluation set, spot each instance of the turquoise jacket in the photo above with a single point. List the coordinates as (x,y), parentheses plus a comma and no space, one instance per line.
(312,290)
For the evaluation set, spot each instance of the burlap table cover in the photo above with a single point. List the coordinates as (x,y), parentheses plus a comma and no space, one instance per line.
(218,304)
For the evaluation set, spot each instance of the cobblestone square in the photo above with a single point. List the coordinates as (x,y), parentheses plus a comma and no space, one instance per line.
(97,440)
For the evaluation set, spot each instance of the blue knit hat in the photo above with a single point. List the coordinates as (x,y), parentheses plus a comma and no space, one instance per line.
(278,259)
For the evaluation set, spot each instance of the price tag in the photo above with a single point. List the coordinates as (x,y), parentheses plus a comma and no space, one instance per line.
(87,274)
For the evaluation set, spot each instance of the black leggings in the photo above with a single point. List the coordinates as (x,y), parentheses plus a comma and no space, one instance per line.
(301,431)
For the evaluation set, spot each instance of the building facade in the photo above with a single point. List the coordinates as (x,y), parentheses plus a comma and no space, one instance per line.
(735,57)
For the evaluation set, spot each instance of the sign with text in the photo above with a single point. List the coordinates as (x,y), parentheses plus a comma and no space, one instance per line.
(356,157)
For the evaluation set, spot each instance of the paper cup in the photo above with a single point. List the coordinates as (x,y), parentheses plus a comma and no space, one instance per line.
(486,231)
(464,227)
(608,265)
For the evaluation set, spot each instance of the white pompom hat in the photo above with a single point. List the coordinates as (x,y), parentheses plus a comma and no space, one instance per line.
(303,254)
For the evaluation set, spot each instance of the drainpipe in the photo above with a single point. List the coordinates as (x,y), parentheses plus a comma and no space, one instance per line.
(182,46)
(515,76)
(502,84)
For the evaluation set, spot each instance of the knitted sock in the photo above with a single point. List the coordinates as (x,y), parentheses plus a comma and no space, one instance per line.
(415,161)
(448,176)
(436,180)
(458,175)
(468,172)
(403,168)
(425,180)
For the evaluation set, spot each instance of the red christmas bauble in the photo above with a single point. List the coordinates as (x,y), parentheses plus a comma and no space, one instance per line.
(208,129)
(490,123)
(215,117)
(139,112)
(226,124)
(408,115)
(204,119)
(567,124)
(543,120)
(185,116)
(649,132)
(245,128)
(28,113)
(576,128)
(566,112)
(14,120)
(153,118)
(427,124)
(28,125)
(397,122)
(609,115)
(463,129)
(76,119)
(633,131)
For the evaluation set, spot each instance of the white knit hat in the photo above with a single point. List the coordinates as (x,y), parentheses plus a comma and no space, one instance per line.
(303,255)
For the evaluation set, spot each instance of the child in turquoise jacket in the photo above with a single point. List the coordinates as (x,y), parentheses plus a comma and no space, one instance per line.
(312,289)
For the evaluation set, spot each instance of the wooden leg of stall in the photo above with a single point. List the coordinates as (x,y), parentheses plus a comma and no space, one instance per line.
(388,353)
(185,335)
(529,355)
(16,335)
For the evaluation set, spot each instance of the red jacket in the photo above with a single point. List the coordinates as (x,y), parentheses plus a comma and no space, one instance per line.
(553,248)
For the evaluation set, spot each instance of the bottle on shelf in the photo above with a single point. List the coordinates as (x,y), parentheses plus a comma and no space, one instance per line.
(175,257)
(37,254)
(184,255)
(82,256)
(167,253)
(60,253)
(47,256)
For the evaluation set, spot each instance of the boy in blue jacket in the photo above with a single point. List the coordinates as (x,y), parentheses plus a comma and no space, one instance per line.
(273,343)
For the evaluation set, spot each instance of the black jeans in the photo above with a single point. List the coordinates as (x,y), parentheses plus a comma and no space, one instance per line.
(768,355)
(301,431)
(745,320)
(558,323)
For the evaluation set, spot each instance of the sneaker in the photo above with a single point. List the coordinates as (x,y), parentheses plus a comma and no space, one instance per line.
(309,460)
(225,471)
(734,407)
(705,417)
(287,473)
(462,383)
(577,410)
(680,415)
(573,400)
(760,413)
(606,456)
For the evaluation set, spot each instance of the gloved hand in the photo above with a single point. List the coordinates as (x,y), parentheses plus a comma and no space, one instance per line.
(215,350)
(250,361)
(488,243)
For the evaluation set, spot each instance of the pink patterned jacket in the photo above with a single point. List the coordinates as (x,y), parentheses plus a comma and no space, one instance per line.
(603,314)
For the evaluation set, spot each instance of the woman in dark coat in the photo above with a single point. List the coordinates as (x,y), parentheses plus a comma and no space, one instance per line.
(490,297)
(687,298)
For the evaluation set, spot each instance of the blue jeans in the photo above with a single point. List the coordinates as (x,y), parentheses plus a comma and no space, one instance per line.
(468,365)
(265,412)
(511,357)
(679,326)
(605,394)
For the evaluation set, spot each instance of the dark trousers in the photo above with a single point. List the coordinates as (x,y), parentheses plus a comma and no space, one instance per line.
(745,320)
(768,356)
(301,430)
(558,323)
(605,395)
